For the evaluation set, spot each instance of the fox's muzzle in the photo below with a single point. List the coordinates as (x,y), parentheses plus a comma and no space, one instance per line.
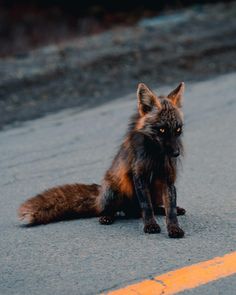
(173,151)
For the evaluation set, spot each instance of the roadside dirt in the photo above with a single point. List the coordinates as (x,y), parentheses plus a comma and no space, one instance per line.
(191,44)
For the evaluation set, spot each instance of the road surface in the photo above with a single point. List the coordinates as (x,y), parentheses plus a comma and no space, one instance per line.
(83,257)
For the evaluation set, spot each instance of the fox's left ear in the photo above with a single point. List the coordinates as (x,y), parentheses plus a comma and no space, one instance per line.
(176,96)
(147,100)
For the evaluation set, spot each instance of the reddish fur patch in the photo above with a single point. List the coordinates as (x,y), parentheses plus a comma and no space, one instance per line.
(140,123)
(125,183)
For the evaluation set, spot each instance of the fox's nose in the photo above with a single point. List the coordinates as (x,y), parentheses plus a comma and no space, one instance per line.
(173,150)
(175,153)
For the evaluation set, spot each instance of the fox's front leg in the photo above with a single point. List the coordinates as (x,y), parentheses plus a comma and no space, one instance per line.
(144,198)
(169,199)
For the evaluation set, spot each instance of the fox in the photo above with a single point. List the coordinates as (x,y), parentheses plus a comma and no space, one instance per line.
(141,179)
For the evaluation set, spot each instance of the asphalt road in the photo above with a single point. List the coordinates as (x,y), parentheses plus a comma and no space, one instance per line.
(84,257)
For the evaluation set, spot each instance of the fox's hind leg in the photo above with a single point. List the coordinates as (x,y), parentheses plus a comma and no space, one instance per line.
(180,211)
(160,210)
(107,219)
(157,198)
(131,208)
(109,202)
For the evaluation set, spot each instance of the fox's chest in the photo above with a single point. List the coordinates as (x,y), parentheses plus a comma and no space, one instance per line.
(164,171)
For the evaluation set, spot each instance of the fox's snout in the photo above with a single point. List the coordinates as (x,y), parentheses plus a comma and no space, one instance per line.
(173,151)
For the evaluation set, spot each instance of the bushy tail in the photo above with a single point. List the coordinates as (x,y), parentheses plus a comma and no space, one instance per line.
(62,202)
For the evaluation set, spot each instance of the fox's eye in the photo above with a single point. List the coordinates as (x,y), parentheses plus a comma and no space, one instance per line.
(162,130)
(178,130)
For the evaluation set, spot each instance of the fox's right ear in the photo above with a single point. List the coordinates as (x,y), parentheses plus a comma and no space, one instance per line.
(176,96)
(147,100)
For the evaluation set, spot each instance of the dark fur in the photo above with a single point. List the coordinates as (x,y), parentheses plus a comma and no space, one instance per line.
(141,178)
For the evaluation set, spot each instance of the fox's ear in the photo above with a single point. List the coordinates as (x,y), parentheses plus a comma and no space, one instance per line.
(147,100)
(176,96)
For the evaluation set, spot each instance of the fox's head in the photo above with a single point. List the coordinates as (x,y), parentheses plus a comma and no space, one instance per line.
(161,119)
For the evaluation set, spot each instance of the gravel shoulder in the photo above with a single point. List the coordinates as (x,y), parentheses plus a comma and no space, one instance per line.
(191,45)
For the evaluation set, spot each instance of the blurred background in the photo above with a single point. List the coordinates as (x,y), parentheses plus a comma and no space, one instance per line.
(61,54)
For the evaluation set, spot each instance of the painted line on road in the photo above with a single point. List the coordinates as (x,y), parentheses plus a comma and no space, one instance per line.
(184,278)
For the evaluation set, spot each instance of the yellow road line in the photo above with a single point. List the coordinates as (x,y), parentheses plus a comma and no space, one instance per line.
(184,278)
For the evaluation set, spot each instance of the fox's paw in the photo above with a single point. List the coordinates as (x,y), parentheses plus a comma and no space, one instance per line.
(152,228)
(180,211)
(175,231)
(106,220)
(26,213)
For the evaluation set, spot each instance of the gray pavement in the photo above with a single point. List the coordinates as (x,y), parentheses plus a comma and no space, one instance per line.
(84,257)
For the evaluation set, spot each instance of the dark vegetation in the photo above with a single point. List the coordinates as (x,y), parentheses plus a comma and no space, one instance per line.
(88,54)
(28,24)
